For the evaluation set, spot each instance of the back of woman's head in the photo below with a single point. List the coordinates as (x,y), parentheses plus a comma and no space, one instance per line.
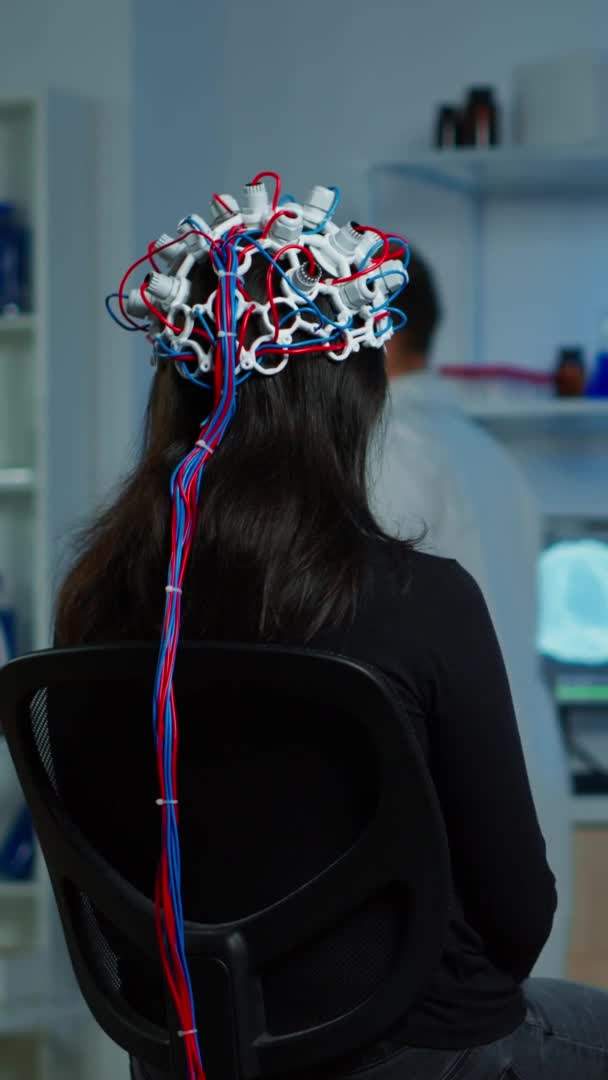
(283,526)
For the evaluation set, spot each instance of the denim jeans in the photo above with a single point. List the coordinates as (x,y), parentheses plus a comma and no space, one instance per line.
(563,1037)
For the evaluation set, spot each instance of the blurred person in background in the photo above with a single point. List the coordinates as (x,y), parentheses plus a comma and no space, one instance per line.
(442,471)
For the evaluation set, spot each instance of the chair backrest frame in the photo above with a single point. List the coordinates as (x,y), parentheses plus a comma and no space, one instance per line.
(224,959)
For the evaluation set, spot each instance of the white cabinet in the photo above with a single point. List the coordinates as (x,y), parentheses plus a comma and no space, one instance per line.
(47,434)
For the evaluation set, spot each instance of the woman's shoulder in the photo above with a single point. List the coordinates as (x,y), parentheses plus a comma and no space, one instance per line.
(418,571)
(418,599)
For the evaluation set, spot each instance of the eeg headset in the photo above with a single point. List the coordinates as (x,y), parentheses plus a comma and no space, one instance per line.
(356,272)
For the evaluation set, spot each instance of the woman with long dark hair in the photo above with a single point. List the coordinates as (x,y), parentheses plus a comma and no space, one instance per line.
(285,548)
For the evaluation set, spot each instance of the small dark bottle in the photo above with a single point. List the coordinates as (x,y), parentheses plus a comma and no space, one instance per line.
(448,127)
(480,125)
(570,372)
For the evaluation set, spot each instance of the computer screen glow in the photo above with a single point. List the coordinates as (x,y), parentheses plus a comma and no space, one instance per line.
(573,595)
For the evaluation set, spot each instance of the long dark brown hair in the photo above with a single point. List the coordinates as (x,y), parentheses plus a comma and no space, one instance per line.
(284,526)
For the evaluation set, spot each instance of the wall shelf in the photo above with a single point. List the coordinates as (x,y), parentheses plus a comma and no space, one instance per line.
(512,235)
(564,416)
(39,1015)
(509,170)
(19,915)
(47,406)
(11,325)
(590,810)
(18,890)
(16,481)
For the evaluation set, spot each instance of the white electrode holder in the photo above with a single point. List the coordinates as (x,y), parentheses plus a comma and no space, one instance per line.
(255,205)
(317,206)
(346,268)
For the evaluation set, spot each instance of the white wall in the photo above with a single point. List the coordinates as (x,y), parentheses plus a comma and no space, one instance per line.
(338,84)
(85,47)
(180,126)
(341,84)
(319,91)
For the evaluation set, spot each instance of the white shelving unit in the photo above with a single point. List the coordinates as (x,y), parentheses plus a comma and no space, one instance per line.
(514,234)
(509,170)
(47,167)
(511,233)
(590,810)
(557,416)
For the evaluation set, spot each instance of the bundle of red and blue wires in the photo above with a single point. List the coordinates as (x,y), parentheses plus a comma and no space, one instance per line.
(185,490)
(227,343)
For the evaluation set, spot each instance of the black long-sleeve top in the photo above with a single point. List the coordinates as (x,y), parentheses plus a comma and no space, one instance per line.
(434,640)
(437,645)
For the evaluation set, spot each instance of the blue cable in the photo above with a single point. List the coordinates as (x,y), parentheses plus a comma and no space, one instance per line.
(119,322)
(291,314)
(274,346)
(393,296)
(405,258)
(205,325)
(393,311)
(334,206)
(188,472)
(185,472)
(182,364)
(310,303)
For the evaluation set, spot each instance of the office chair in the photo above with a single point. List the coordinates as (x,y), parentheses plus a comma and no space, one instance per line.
(78,726)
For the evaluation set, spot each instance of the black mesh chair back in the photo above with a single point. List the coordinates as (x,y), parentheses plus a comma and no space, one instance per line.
(314,859)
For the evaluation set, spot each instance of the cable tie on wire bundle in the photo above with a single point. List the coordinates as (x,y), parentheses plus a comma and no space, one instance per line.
(166,802)
(228,273)
(172,588)
(191,1031)
(226,333)
(204,446)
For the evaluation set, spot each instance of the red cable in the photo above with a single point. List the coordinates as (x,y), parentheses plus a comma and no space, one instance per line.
(329,347)
(170,955)
(218,348)
(498,371)
(155,311)
(374,264)
(272,266)
(283,212)
(277,185)
(312,263)
(147,258)
(400,240)
(218,199)
(241,341)
(151,250)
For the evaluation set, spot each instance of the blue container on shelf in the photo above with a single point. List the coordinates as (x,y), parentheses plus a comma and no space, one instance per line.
(597,386)
(7,627)
(17,849)
(14,269)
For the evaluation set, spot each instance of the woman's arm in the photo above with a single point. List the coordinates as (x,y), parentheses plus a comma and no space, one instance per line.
(498,851)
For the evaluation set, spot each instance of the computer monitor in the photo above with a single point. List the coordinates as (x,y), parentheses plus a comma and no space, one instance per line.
(573,599)
(573,640)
